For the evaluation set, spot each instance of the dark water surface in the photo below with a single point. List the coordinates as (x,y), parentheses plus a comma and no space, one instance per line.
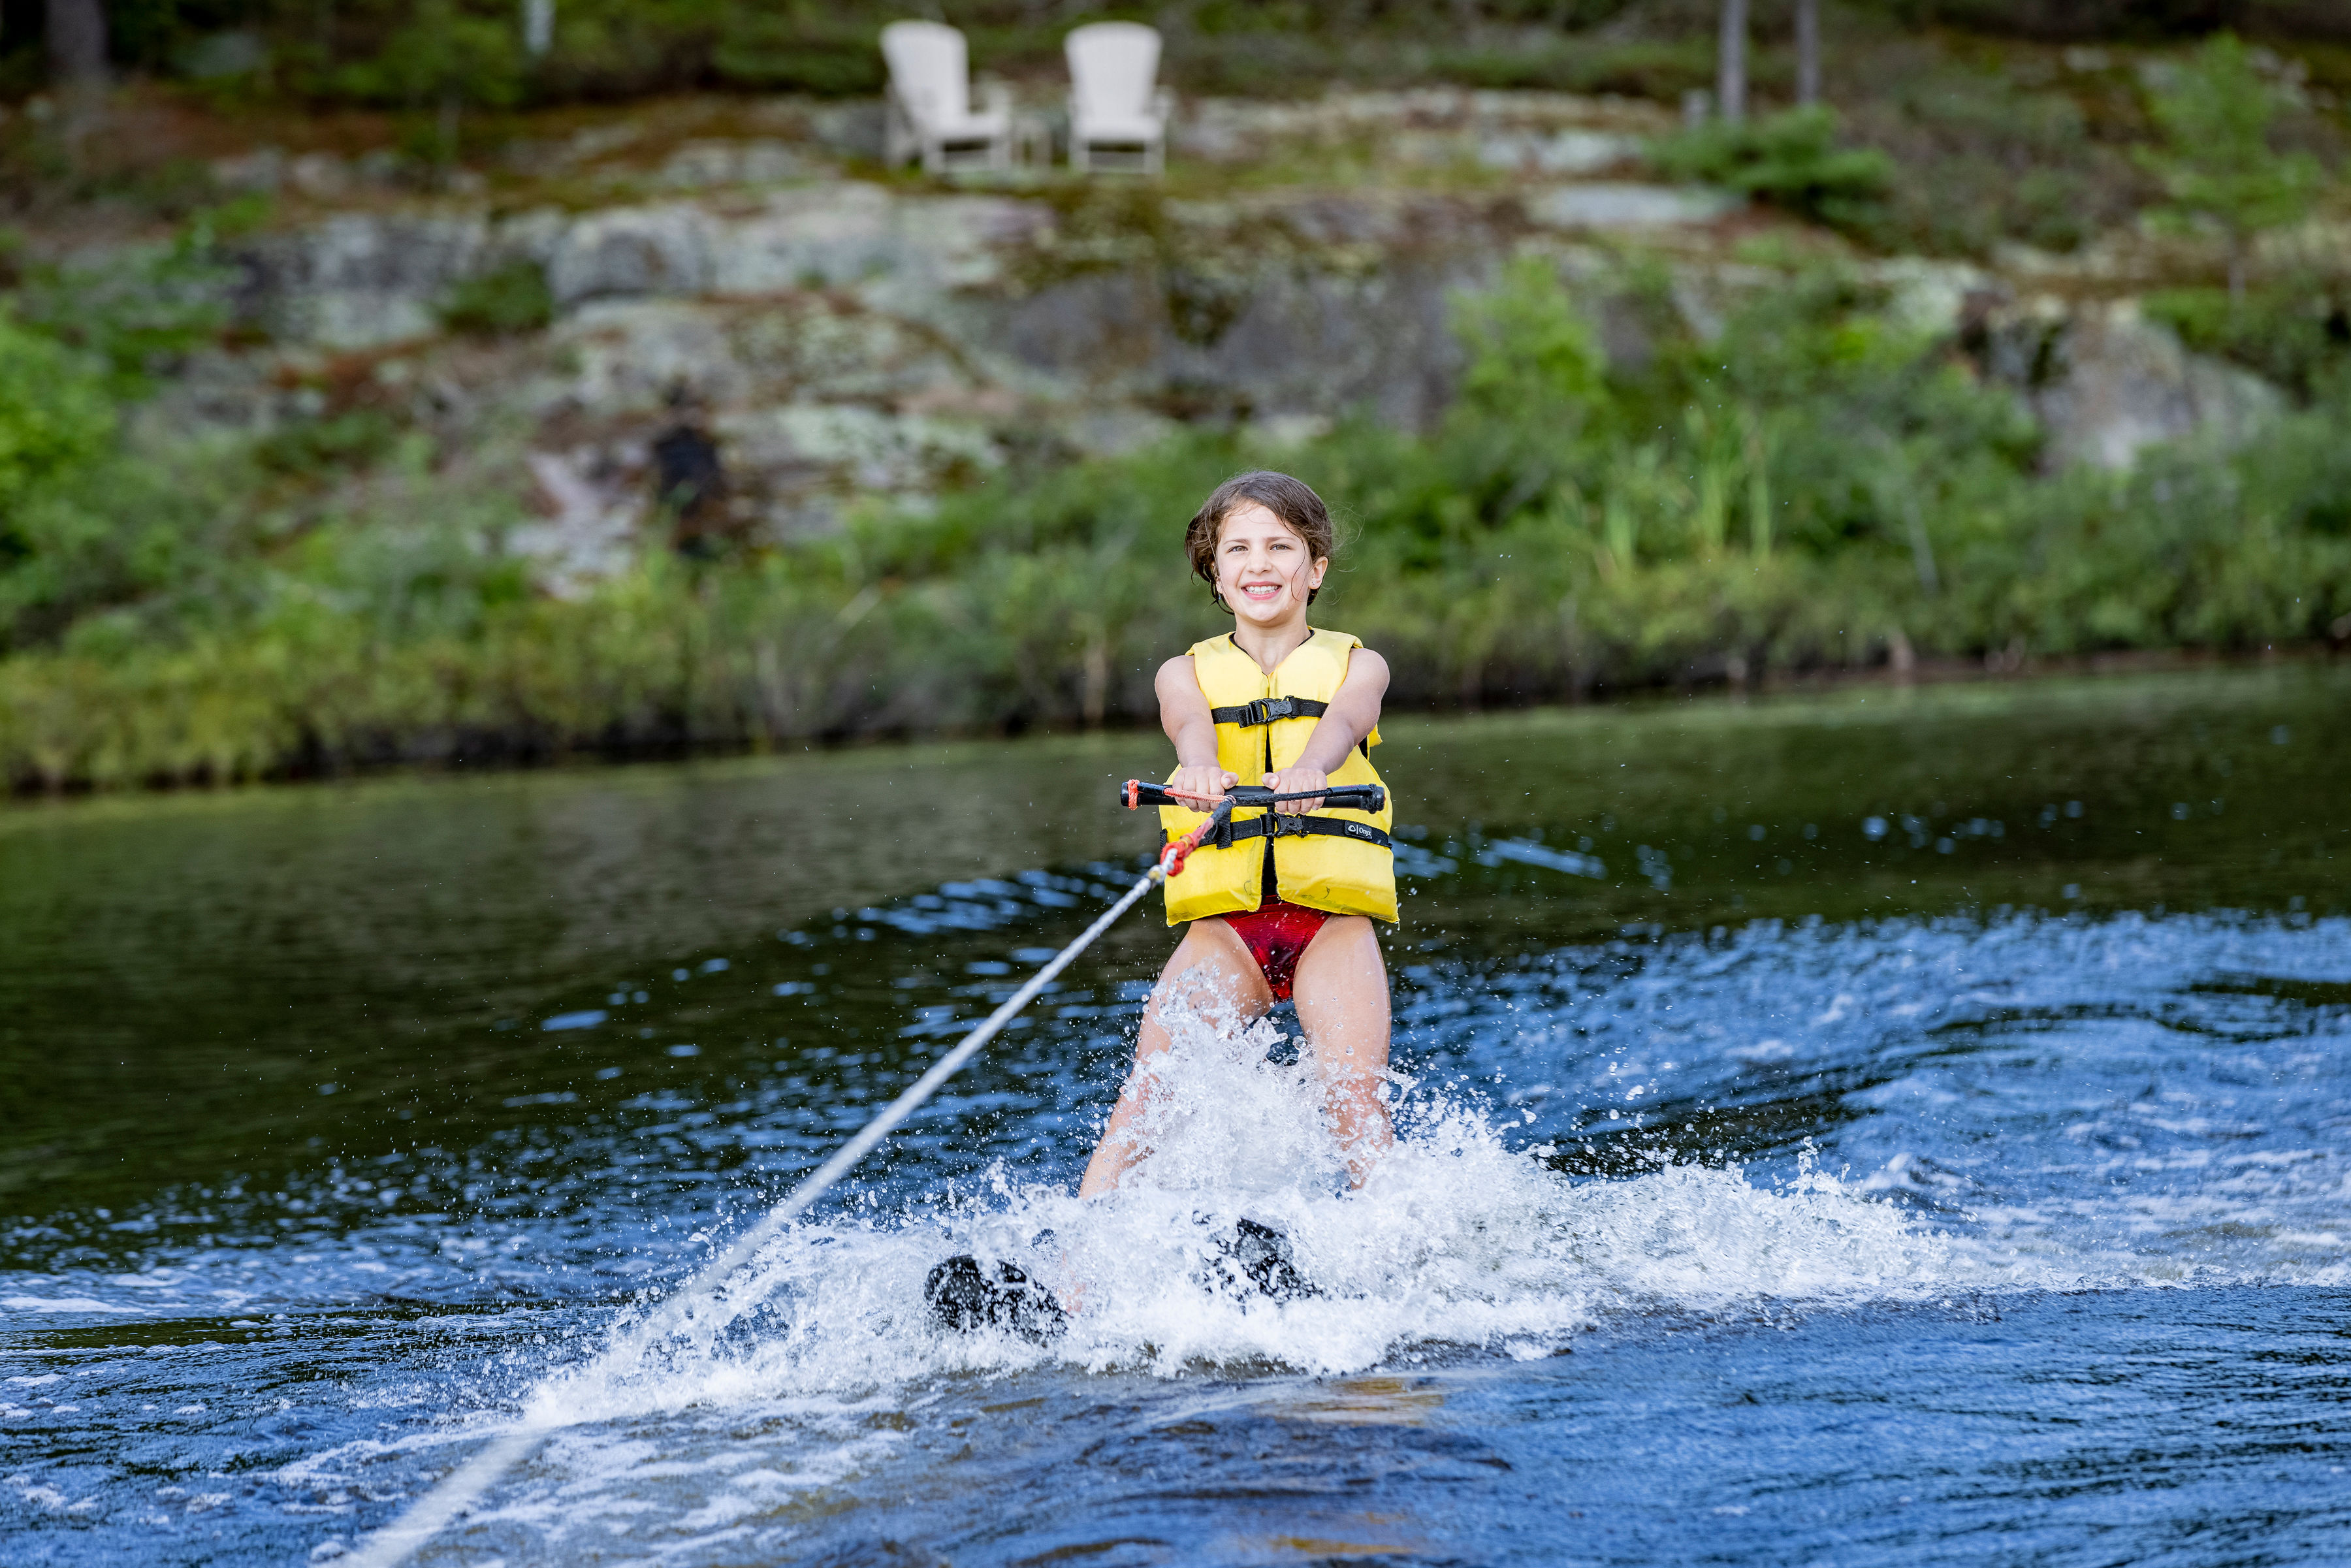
(1880,1127)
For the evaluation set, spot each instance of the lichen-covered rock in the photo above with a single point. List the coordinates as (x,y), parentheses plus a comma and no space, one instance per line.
(852,235)
(2114,383)
(360,280)
(813,401)
(591,513)
(1560,132)
(1621,206)
(835,340)
(625,252)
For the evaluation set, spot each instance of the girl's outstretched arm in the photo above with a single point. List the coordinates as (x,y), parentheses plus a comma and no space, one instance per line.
(1354,713)
(1184,714)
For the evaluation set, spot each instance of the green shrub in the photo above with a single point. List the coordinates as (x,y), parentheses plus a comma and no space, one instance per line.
(140,310)
(2295,332)
(501,302)
(56,418)
(2216,112)
(1532,354)
(1791,160)
(1986,158)
(352,440)
(798,49)
(1806,489)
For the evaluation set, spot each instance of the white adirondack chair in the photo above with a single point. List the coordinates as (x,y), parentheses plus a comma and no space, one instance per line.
(1114,104)
(930,111)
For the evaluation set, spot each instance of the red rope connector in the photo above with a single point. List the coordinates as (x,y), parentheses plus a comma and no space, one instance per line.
(1178,849)
(1172,858)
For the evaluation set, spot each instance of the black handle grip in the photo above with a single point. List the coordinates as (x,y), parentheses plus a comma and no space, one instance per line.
(1135,792)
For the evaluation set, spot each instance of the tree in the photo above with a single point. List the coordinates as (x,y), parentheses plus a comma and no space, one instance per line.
(445,58)
(1808,53)
(1731,62)
(76,30)
(77,39)
(2217,165)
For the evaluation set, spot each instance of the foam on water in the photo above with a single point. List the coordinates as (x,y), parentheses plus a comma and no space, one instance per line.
(1776,1122)
(1457,1241)
(1460,1241)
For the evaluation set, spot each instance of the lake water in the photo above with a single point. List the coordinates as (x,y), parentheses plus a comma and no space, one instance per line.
(1880,1127)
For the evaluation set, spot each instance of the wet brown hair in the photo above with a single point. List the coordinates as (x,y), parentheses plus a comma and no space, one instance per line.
(1291,500)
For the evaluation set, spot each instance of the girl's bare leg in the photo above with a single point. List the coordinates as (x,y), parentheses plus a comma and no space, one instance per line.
(1342,991)
(1214,967)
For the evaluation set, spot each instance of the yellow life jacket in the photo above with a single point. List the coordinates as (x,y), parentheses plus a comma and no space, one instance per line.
(1335,860)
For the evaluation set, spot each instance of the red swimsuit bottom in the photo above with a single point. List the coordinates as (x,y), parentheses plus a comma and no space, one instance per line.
(1277,935)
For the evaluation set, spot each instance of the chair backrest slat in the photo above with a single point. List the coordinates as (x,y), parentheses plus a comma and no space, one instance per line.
(929,68)
(1113,68)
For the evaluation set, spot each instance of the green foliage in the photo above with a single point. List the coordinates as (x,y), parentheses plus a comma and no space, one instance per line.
(1811,488)
(55,419)
(444,51)
(1531,352)
(1556,62)
(138,310)
(1791,160)
(354,439)
(1986,158)
(84,524)
(498,303)
(801,48)
(2217,165)
(2295,331)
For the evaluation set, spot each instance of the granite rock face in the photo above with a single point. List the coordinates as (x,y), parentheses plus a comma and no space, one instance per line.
(835,341)
(842,341)
(2119,382)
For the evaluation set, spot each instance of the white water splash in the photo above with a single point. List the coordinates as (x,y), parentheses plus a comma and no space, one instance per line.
(1456,1241)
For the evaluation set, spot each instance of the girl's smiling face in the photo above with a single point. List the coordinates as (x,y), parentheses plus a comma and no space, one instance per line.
(1264,569)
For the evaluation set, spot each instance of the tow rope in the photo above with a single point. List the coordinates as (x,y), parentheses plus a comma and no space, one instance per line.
(461,1488)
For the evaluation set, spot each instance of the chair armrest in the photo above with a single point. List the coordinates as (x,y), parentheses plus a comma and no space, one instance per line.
(1163,104)
(994,96)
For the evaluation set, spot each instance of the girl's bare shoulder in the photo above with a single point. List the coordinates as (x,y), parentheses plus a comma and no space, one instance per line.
(1177,678)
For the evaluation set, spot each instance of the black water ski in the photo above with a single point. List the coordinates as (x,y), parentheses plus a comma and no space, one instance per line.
(963,1298)
(966,1295)
(1259,1255)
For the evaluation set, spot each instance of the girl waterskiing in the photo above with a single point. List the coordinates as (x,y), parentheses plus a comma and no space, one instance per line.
(1283,904)
(1277,904)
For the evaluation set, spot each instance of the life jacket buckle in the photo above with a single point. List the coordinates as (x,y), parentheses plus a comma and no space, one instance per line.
(1265,710)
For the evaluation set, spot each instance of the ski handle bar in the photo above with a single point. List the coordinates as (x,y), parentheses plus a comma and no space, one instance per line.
(1339,797)
(1344,796)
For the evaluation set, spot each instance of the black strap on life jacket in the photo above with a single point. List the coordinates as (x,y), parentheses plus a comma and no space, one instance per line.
(1292,824)
(1265,710)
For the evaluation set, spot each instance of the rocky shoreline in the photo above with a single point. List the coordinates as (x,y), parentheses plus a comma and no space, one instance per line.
(833,336)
